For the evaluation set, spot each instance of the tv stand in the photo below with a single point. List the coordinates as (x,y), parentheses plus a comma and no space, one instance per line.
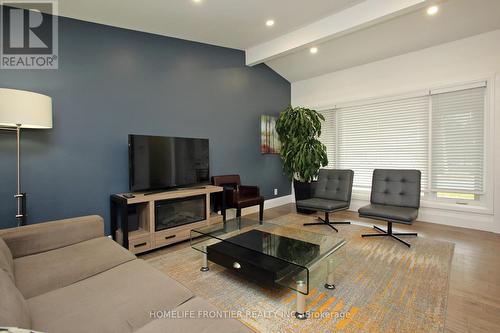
(142,209)
(174,189)
(161,191)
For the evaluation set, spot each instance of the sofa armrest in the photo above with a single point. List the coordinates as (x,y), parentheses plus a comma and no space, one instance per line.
(42,237)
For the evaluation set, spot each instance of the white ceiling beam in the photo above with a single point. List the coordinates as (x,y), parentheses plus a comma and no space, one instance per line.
(362,15)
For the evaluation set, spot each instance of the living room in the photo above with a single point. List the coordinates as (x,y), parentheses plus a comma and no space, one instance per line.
(236,166)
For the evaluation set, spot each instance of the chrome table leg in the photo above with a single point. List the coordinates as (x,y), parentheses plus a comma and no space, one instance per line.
(204,266)
(301,300)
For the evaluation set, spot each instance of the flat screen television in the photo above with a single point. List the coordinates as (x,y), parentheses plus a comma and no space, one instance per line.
(157,162)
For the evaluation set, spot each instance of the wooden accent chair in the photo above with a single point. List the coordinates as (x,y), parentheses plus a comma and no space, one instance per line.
(236,195)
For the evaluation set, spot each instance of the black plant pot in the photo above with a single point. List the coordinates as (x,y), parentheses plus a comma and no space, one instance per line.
(303,191)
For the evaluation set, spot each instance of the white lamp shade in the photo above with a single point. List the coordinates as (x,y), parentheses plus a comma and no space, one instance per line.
(25,108)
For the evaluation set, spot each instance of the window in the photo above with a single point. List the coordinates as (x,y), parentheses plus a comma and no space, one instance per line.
(383,135)
(458,141)
(440,133)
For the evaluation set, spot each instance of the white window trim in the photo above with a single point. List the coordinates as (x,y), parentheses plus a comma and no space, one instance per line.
(364,195)
(486,204)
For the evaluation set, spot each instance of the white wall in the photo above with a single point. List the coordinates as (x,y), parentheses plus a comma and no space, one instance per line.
(461,61)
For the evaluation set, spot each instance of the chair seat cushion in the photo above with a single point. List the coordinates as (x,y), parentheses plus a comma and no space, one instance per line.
(42,272)
(322,204)
(118,300)
(247,201)
(195,322)
(393,213)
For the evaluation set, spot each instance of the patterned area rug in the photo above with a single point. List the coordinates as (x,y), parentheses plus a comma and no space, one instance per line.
(381,286)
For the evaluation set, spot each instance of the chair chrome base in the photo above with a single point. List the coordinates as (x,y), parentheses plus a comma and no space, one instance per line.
(391,234)
(326,221)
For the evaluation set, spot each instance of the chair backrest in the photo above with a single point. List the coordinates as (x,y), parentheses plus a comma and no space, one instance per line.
(334,184)
(226,180)
(399,188)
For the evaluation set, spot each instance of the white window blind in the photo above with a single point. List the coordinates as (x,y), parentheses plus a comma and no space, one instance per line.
(442,134)
(329,136)
(384,135)
(458,141)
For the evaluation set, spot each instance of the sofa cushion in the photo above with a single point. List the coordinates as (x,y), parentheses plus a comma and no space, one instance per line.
(192,319)
(6,261)
(41,237)
(118,300)
(14,310)
(40,273)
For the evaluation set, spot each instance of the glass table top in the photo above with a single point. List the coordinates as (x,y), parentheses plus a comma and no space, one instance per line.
(291,253)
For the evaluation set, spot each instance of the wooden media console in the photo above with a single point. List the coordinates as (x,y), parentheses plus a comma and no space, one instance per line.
(148,221)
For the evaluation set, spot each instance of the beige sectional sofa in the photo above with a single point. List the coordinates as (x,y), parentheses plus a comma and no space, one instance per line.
(66,276)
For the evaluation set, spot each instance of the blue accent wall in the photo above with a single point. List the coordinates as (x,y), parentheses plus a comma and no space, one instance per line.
(112,82)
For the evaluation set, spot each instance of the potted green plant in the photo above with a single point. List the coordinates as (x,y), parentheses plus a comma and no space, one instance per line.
(301,151)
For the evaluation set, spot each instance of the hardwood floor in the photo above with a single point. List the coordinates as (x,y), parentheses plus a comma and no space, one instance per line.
(474,295)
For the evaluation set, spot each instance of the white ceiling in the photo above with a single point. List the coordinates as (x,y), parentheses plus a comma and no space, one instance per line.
(456,19)
(238,24)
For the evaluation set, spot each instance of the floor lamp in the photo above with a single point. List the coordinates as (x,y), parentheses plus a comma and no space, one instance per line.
(21,109)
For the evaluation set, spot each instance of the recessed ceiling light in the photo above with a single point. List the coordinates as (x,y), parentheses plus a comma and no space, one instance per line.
(197,1)
(313,50)
(270,23)
(432,10)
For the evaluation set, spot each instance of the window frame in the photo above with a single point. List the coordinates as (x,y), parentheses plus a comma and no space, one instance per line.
(484,203)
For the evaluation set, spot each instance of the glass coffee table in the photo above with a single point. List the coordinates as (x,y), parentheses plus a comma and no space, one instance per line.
(270,254)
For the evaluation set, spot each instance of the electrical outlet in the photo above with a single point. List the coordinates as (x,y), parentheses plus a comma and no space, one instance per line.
(275,191)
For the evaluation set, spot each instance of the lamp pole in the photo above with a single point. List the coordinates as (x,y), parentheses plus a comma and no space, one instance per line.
(20,109)
(20,197)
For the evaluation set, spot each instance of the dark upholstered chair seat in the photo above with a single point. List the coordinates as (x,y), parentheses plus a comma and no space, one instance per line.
(247,201)
(400,214)
(322,204)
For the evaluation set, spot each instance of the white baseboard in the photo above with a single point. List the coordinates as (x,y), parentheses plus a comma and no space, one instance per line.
(271,203)
(484,222)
